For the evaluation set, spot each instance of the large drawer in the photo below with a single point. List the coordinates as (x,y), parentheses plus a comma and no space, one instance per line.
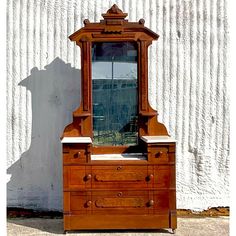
(121,176)
(117,176)
(118,202)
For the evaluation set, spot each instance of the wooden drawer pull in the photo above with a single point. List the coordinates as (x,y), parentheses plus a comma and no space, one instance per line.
(150,177)
(150,203)
(120,194)
(88,177)
(77,155)
(159,154)
(88,203)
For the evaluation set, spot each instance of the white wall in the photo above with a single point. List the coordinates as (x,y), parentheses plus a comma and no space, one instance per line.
(188,87)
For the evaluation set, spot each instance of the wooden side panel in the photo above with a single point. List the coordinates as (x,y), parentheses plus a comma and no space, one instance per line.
(173,220)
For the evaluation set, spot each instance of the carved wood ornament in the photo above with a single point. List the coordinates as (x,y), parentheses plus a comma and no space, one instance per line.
(114,28)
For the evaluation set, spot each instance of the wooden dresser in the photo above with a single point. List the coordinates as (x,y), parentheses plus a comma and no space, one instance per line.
(129,182)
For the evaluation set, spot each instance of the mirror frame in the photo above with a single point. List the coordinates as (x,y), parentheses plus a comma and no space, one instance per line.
(114,28)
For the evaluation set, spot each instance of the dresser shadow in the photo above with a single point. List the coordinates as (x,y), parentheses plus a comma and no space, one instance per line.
(36,177)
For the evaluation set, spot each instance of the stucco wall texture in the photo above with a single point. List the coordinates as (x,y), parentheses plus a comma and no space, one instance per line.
(187,85)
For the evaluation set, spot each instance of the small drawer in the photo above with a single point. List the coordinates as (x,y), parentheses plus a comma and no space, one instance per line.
(158,153)
(74,154)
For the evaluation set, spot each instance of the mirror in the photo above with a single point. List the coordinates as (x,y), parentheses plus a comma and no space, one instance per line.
(114,93)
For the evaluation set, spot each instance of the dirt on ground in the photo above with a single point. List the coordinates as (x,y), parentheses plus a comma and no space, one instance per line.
(214,211)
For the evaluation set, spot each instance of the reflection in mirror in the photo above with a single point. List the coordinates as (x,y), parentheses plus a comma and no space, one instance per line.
(114,93)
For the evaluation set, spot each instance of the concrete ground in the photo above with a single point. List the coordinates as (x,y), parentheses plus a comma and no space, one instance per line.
(209,226)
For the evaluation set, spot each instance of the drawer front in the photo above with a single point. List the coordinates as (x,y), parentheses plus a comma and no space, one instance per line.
(161,202)
(117,177)
(75,153)
(158,154)
(112,202)
(120,177)
(162,176)
(106,177)
(76,177)
(119,202)
(80,202)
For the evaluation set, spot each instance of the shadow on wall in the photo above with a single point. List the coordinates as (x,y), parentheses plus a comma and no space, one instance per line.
(36,178)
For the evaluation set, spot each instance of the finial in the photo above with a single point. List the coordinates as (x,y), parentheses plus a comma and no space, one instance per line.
(141,21)
(114,10)
(86,21)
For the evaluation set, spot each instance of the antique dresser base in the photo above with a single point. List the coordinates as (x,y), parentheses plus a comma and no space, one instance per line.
(127,193)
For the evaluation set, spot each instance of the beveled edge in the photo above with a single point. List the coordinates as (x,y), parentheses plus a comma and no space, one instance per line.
(158,139)
(76,140)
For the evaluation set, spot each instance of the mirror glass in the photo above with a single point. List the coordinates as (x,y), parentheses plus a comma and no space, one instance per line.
(114,93)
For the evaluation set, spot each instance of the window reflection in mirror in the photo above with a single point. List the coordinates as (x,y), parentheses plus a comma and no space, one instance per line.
(114,93)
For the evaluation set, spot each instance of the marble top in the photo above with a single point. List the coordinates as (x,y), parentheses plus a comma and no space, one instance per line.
(76,140)
(158,139)
(147,139)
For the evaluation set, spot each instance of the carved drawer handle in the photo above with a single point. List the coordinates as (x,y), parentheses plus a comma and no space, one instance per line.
(119,194)
(120,202)
(119,168)
(150,177)
(88,177)
(77,155)
(119,176)
(159,153)
(88,203)
(150,203)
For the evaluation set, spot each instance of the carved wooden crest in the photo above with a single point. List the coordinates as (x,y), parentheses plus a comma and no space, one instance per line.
(113,26)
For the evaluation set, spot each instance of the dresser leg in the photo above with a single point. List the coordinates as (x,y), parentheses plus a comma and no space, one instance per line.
(173,231)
